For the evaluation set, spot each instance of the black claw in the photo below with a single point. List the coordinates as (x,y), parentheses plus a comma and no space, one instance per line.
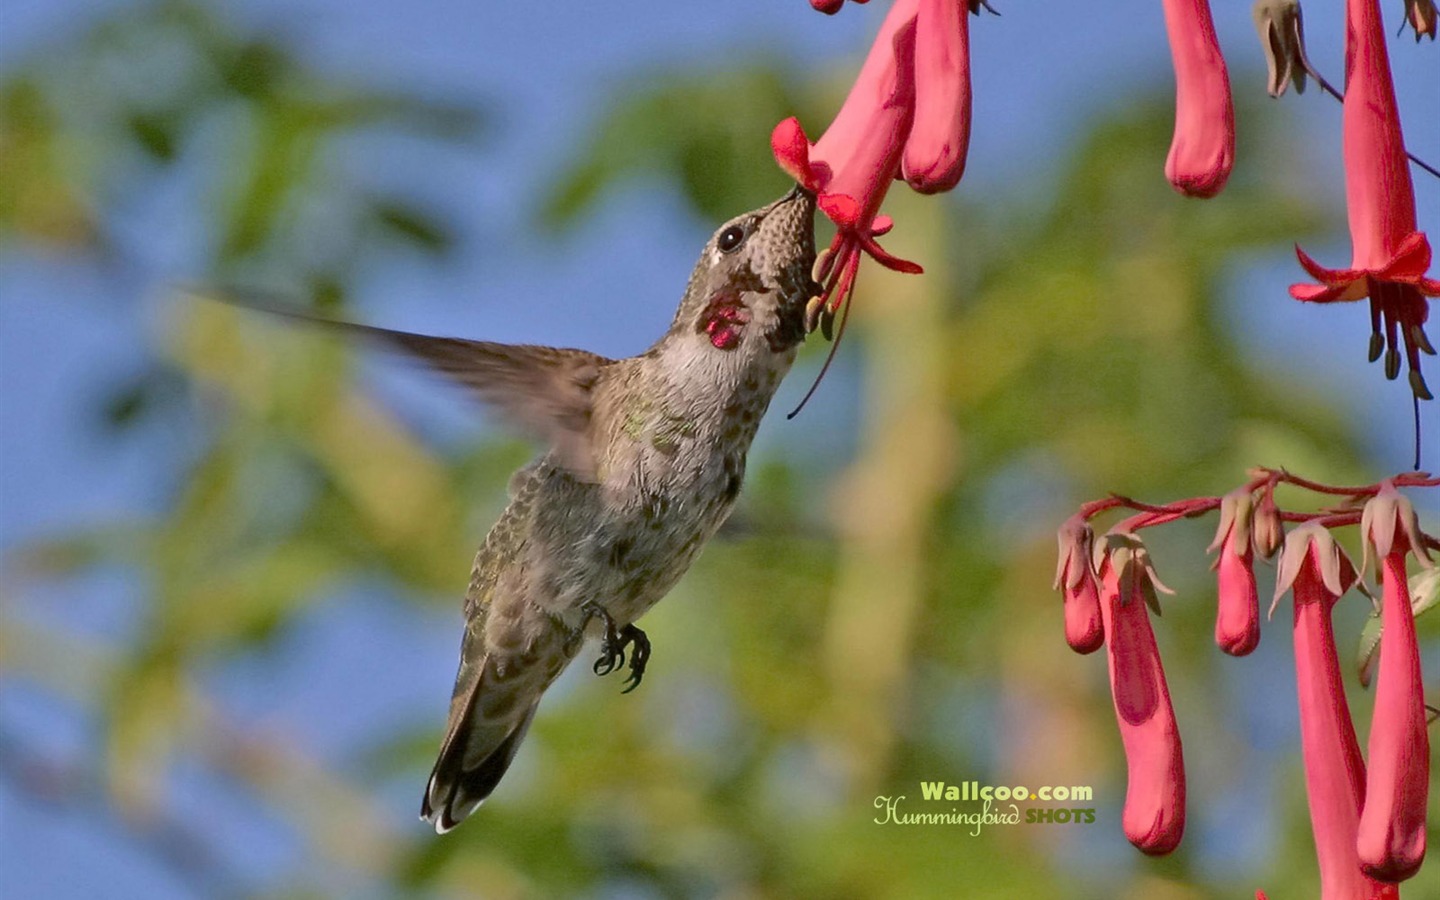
(632,635)
(612,647)
(614,644)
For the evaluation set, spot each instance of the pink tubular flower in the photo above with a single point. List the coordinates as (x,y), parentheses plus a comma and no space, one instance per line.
(1334,773)
(1237,620)
(1391,840)
(1390,258)
(1154,815)
(1075,578)
(1203,149)
(850,168)
(907,115)
(934,157)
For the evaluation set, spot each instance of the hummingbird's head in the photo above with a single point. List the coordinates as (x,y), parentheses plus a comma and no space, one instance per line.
(750,287)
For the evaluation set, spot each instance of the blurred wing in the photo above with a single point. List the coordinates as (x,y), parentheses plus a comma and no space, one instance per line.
(544,391)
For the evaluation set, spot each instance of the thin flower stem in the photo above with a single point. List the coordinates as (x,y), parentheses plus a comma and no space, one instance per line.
(1179,507)
(1339,95)
(1161,516)
(1404,479)
(1095,507)
(1261,479)
(1327,518)
(1150,514)
(1282,475)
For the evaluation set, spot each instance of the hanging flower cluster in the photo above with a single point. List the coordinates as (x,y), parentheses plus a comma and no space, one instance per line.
(908,118)
(1368,821)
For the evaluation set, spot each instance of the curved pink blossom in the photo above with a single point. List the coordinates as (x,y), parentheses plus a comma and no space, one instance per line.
(1154,814)
(1390,257)
(1391,839)
(934,157)
(1202,151)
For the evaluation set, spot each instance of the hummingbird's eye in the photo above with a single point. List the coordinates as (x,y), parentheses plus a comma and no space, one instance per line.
(730,239)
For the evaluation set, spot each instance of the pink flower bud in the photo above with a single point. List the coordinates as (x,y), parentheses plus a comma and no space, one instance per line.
(1154,815)
(1267,532)
(1203,148)
(1237,619)
(1084,631)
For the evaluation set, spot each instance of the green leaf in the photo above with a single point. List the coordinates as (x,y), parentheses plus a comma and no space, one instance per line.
(155,133)
(412,226)
(1425,590)
(1369,647)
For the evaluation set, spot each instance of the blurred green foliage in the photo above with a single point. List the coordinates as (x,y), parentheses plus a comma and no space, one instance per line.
(873,626)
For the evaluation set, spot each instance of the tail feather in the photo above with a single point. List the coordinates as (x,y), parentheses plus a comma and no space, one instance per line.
(455,789)
(497,689)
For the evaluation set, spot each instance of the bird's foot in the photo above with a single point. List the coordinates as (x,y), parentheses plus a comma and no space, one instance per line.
(632,635)
(612,650)
(614,643)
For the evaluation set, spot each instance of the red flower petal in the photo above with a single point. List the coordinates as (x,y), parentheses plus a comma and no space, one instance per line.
(1327,277)
(792,151)
(1314,293)
(889,260)
(1411,261)
(842,209)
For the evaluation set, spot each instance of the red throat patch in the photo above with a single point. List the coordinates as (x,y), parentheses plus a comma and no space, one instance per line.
(724,320)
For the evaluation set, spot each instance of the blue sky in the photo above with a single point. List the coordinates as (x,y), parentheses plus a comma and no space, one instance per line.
(546,70)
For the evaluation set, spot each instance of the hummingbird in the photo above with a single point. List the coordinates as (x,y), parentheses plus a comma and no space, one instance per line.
(644,460)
